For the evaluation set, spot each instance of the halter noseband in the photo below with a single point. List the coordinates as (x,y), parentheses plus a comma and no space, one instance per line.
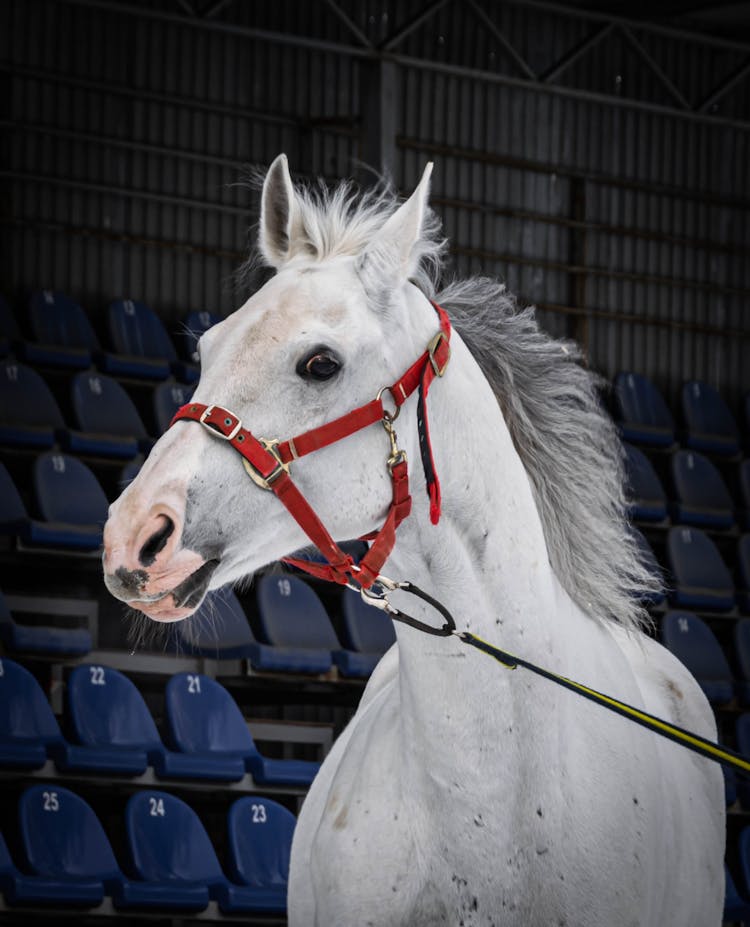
(267,462)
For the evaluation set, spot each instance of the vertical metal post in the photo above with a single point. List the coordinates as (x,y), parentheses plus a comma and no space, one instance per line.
(379,101)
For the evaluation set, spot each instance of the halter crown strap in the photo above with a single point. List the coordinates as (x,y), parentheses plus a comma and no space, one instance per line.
(267,462)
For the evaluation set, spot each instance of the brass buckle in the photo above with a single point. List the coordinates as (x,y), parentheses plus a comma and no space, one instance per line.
(215,431)
(266,482)
(432,347)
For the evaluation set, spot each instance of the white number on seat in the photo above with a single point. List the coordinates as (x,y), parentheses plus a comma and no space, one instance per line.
(156,807)
(285,587)
(2,668)
(11,372)
(51,802)
(58,463)
(683,625)
(259,814)
(97,676)
(194,684)
(95,386)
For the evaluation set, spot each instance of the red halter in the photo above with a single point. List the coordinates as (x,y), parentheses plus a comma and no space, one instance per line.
(267,462)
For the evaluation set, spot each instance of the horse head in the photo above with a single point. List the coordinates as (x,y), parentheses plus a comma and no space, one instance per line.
(321,337)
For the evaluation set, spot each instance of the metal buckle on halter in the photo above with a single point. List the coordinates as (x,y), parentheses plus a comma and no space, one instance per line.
(266,482)
(216,431)
(432,348)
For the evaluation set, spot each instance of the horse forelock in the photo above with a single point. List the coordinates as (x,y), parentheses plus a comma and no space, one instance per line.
(566,441)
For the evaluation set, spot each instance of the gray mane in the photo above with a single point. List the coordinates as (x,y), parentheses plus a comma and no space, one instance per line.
(566,441)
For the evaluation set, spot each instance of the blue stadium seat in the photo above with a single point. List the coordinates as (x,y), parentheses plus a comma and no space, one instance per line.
(646,496)
(736,909)
(206,725)
(701,578)
(701,495)
(27,725)
(195,325)
(367,633)
(744,499)
(260,839)
(641,412)
(219,629)
(709,425)
(143,348)
(171,850)
(29,413)
(292,618)
(63,336)
(743,573)
(106,419)
(42,639)
(71,502)
(167,399)
(694,644)
(649,559)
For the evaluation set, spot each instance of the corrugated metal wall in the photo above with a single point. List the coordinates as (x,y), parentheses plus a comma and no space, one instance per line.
(599,167)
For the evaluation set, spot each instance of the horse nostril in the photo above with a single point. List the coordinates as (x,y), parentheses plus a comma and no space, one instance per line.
(157,542)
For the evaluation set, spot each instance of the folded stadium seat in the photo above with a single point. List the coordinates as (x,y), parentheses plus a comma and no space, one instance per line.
(48,640)
(219,629)
(368,633)
(641,412)
(144,349)
(206,724)
(743,573)
(64,840)
(701,495)
(260,841)
(28,726)
(169,846)
(63,336)
(292,617)
(736,908)
(646,496)
(195,325)
(9,332)
(168,398)
(742,658)
(29,413)
(72,504)
(694,644)
(745,494)
(107,421)
(701,578)
(709,425)
(648,557)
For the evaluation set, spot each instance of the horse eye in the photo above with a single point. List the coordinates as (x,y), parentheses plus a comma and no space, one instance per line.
(322,365)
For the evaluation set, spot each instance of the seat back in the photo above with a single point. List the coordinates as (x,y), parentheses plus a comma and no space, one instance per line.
(691,640)
(645,491)
(25,399)
(195,325)
(260,841)
(219,626)
(167,399)
(167,840)
(638,401)
(25,713)
(62,836)
(12,509)
(67,491)
(57,319)
(648,558)
(134,328)
(705,411)
(366,629)
(696,562)
(102,406)
(697,482)
(203,717)
(292,615)
(105,709)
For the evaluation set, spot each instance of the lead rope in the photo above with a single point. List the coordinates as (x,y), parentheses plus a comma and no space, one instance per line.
(378,597)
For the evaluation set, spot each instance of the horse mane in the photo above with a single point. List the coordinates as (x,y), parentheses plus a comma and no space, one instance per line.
(568,444)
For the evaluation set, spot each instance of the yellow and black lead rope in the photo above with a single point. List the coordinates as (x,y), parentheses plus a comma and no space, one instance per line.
(679,735)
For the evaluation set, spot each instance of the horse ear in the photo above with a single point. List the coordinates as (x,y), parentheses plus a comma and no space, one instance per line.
(392,250)
(279,214)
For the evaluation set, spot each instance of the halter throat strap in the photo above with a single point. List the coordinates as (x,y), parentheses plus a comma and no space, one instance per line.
(267,462)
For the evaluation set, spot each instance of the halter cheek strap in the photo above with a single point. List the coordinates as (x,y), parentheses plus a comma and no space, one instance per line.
(267,462)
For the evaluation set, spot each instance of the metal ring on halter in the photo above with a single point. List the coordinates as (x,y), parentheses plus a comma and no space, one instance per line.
(389,416)
(380,600)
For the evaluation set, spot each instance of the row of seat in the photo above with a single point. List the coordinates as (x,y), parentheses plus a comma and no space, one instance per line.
(113,731)
(172,865)
(105,421)
(139,345)
(699,494)
(644,417)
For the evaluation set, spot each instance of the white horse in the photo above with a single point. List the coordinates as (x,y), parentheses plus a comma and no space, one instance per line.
(461,792)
